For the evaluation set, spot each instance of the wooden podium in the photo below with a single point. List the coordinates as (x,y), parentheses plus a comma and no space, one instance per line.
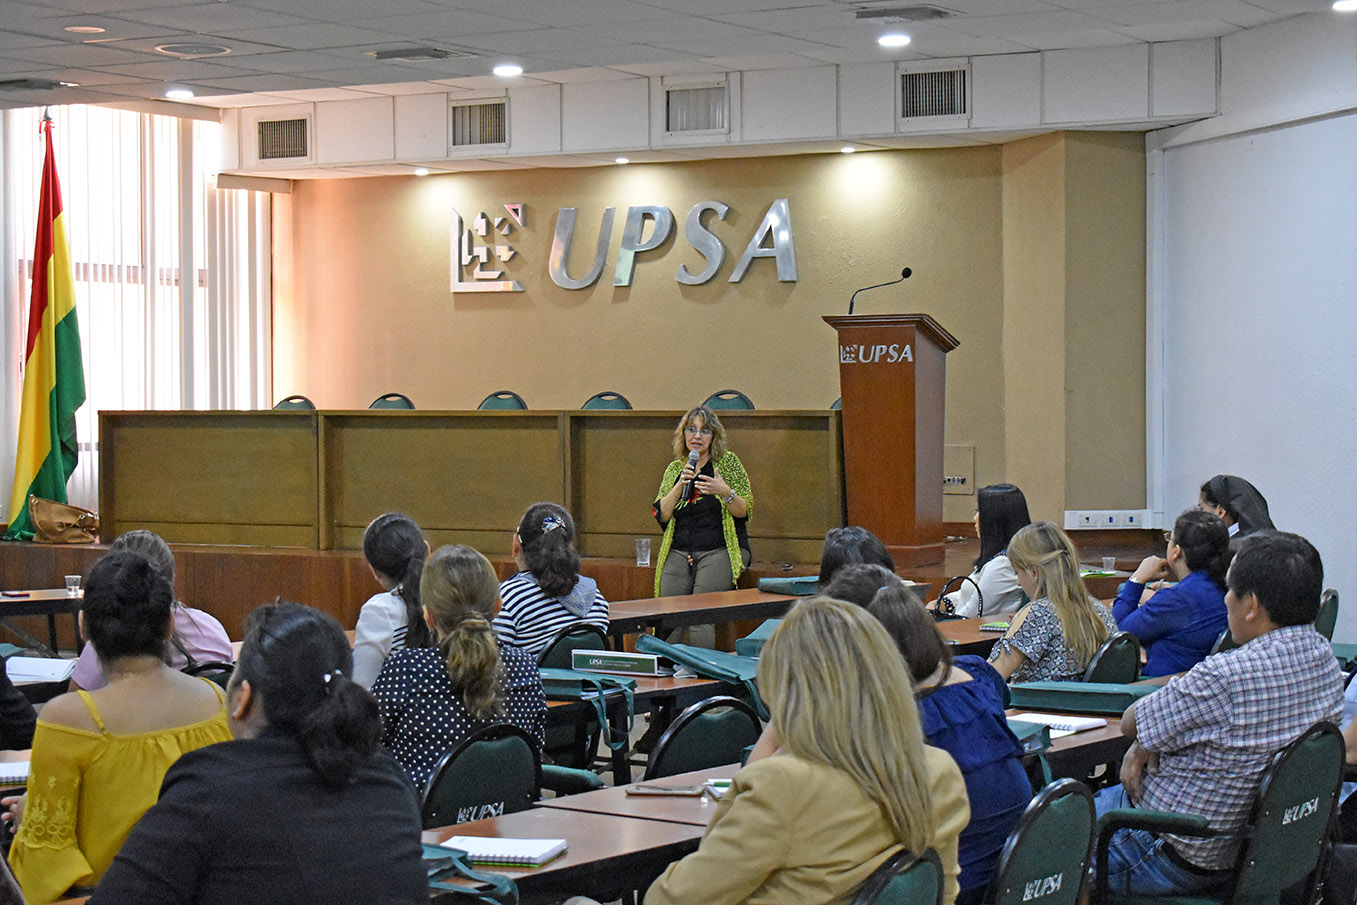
(892,374)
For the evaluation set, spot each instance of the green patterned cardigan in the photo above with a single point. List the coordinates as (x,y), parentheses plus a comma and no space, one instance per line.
(732,471)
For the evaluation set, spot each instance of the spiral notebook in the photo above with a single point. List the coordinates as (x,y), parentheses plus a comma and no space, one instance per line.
(14,773)
(506,852)
(1062,723)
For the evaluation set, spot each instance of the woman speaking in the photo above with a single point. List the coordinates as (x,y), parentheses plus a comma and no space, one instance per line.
(703,504)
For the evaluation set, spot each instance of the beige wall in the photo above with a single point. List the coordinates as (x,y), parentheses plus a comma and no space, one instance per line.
(363,306)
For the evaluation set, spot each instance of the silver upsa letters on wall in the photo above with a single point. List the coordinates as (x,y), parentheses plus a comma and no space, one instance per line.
(772,239)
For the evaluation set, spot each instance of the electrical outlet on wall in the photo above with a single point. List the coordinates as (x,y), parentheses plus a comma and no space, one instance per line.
(1105,518)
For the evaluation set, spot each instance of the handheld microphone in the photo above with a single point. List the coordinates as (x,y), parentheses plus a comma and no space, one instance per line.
(904,275)
(693,456)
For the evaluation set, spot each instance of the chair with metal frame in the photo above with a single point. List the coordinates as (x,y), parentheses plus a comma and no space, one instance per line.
(732,400)
(294,403)
(572,746)
(1328,613)
(708,734)
(502,399)
(607,400)
(1046,856)
(392,401)
(1116,661)
(494,771)
(904,879)
(1284,845)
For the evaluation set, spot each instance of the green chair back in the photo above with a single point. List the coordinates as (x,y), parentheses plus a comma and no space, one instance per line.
(838,404)
(904,879)
(729,399)
(708,734)
(392,401)
(297,403)
(1046,856)
(502,399)
(606,400)
(493,771)
(578,636)
(1225,642)
(1328,613)
(1291,819)
(1117,661)
(572,746)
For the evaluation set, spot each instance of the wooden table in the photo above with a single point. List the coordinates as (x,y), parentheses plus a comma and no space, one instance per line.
(1078,754)
(606,854)
(965,636)
(673,809)
(49,602)
(661,614)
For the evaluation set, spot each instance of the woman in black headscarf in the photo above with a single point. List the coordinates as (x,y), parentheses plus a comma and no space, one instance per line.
(1238,502)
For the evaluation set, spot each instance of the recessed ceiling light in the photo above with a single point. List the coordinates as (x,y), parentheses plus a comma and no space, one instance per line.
(893,39)
(508,70)
(85,29)
(1345,6)
(622,160)
(848,149)
(179,94)
(193,50)
(421,171)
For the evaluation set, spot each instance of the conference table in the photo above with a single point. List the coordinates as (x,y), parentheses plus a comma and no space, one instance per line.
(49,602)
(663,614)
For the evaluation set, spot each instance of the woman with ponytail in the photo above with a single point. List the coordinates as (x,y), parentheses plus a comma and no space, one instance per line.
(99,757)
(393,620)
(1180,624)
(303,806)
(548,593)
(1056,635)
(432,698)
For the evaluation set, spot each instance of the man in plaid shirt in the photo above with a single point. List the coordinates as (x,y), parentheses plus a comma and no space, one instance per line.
(1203,741)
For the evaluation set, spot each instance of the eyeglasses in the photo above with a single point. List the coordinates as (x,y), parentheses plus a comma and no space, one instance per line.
(697,431)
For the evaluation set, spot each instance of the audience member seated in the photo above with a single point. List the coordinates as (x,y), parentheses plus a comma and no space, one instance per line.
(1237,502)
(99,757)
(548,593)
(197,637)
(393,620)
(849,545)
(961,703)
(1203,741)
(432,698)
(1179,625)
(1000,511)
(839,781)
(17,716)
(304,806)
(1055,636)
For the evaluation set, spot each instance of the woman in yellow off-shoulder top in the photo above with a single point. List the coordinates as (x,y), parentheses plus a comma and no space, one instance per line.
(99,757)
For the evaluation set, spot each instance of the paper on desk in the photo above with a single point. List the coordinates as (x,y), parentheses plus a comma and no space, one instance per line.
(38,669)
(14,773)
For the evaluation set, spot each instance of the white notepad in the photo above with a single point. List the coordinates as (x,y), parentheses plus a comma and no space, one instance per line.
(512,852)
(1062,723)
(14,773)
(38,669)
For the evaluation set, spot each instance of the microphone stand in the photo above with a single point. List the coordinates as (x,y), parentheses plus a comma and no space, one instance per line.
(904,275)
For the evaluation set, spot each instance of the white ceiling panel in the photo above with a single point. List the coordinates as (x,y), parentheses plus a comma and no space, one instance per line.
(210,17)
(1096,38)
(623,57)
(578,13)
(669,31)
(317,36)
(443,25)
(177,70)
(546,41)
(1179,32)
(1016,27)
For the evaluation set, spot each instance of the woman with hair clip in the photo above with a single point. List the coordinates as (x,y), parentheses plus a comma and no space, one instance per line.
(432,698)
(303,806)
(1000,511)
(703,505)
(393,620)
(548,593)
(196,636)
(1180,624)
(961,703)
(840,780)
(1056,635)
(99,757)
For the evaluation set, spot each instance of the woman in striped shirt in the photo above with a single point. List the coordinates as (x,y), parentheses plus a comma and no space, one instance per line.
(548,593)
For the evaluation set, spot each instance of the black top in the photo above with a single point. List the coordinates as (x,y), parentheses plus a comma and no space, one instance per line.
(697,525)
(17,717)
(250,821)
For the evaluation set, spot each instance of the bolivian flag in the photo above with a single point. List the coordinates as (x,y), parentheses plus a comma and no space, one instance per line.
(54,380)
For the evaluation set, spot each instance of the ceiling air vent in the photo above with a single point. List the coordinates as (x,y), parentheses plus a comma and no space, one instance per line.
(915,13)
(695,109)
(283,139)
(940,93)
(418,53)
(32,84)
(479,123)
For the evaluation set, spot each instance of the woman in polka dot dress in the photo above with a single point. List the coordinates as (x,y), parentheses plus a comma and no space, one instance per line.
(432,698)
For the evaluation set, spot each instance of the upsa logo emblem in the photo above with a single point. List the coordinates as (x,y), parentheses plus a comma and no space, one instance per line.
(892,354)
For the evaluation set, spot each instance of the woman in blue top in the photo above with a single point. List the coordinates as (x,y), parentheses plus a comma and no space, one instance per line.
(961,704)
(1180,624)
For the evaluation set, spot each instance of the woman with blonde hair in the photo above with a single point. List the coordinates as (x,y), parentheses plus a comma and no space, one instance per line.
(703,504)
(1056,635)
(840,780)
(432,698)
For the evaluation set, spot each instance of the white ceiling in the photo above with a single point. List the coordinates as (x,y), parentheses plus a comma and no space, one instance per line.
(283,51)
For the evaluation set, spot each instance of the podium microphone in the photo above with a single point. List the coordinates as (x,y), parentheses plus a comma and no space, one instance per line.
(904,275)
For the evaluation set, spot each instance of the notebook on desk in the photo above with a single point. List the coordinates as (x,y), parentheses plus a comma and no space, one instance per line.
(1062,724)
(14,773)
(493,850)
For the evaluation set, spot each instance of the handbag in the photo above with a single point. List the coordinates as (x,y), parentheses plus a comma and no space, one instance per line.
(442,862)
(61,523)
(578,685)
(945,610)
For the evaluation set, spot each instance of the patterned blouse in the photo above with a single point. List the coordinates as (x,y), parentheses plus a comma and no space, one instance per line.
(1041,639)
